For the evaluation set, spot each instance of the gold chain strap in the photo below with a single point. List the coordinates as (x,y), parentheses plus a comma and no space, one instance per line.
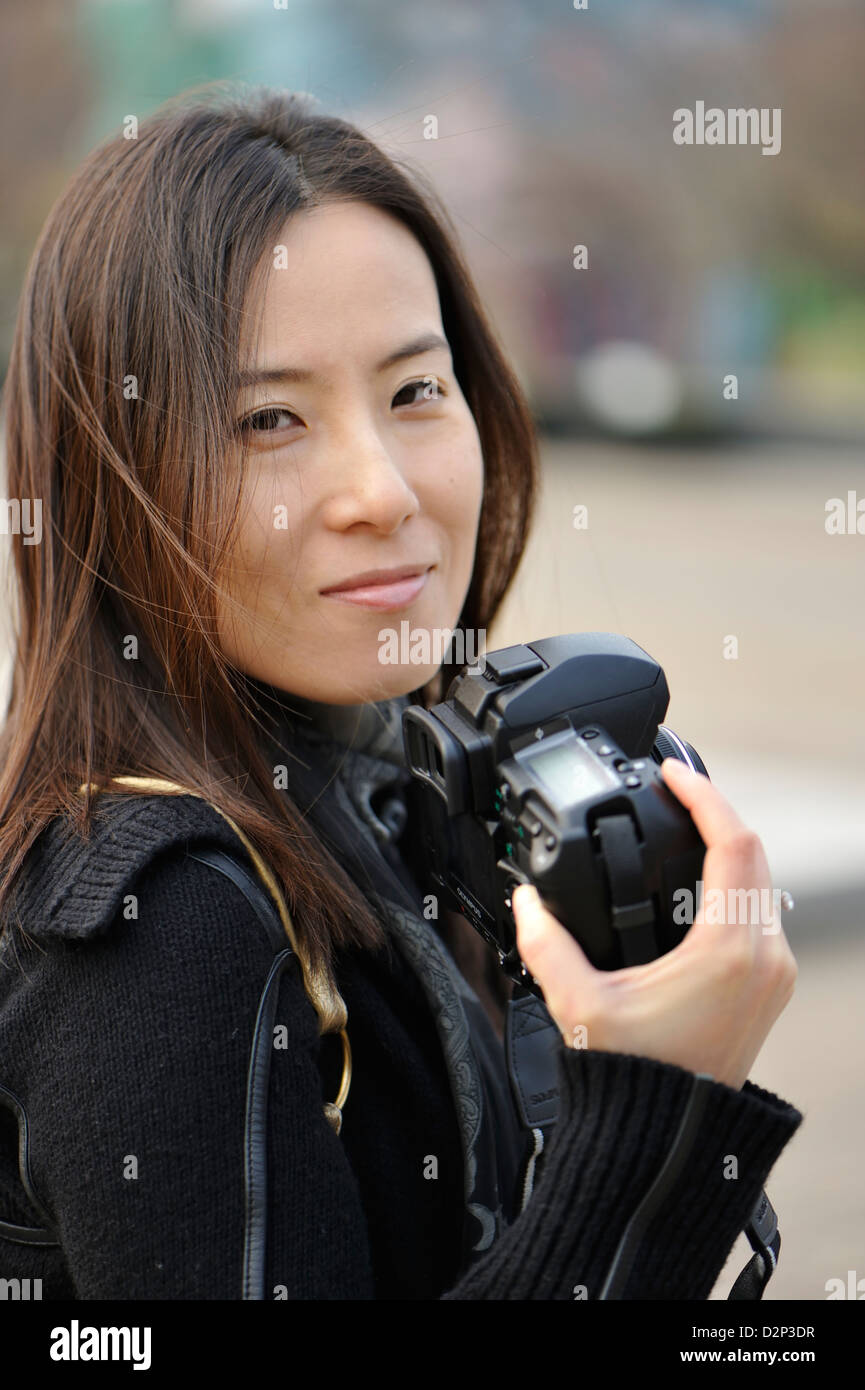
(320,987)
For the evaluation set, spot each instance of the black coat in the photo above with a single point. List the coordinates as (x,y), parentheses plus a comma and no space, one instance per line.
(126,1042)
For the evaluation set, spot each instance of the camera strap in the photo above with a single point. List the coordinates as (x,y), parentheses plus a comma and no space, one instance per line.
(765,1240)
(531,1042)
(531,1047)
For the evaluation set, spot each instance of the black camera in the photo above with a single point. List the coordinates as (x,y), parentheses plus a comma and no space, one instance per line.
(542,766)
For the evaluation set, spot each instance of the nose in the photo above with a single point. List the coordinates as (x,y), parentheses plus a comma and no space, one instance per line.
(366,484)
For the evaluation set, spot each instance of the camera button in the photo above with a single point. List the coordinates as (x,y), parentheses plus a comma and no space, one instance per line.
(512,664)
(632,781)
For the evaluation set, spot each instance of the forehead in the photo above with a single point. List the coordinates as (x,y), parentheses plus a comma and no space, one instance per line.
(340,276)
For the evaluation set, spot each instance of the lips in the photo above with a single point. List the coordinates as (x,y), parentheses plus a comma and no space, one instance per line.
(383,590)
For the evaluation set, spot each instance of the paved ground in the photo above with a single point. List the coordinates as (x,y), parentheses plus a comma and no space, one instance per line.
(683,550)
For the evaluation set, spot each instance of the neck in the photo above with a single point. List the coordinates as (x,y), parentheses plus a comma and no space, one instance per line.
(373,727)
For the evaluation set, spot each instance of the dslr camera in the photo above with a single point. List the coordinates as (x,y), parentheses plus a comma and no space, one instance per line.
(542,766)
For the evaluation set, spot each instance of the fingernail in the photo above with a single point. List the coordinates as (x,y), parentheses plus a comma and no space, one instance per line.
(675,763)
(530,924)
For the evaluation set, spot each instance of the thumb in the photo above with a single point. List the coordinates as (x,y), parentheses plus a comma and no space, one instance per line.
(551,954)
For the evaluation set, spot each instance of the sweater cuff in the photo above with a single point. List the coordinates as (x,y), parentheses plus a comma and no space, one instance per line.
(621,1115)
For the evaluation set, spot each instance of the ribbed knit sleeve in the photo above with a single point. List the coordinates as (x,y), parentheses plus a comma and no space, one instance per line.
(618,1120)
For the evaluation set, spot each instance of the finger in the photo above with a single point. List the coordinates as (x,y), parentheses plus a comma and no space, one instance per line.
(711,812)
(738,873)
(737,887)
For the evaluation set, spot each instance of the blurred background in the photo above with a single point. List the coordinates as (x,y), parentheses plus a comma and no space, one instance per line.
(703,535)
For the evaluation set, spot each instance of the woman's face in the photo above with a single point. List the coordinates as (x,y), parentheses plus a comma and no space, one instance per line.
(355,464)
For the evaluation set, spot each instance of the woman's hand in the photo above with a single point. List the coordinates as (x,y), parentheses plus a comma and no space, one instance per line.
(707,1005)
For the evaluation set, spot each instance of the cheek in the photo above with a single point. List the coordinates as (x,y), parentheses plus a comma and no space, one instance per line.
(269,526)
(471,494)
(460,488)
(256,547)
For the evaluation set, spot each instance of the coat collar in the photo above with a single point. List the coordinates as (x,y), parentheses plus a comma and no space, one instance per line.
(373,728)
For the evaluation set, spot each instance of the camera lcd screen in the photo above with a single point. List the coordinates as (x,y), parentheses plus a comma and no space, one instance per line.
(571,772)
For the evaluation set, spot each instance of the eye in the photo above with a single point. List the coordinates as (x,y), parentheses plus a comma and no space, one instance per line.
(264,421)
(429,386)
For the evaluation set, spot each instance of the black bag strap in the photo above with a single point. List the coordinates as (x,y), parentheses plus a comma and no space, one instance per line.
(46,1234)
(258,1074)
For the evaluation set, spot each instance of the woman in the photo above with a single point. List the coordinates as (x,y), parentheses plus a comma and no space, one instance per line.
(250,369)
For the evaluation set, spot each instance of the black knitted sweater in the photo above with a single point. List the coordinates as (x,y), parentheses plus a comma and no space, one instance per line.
(125,1040)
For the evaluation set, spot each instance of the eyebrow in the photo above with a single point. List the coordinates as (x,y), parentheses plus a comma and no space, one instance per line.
(428,342)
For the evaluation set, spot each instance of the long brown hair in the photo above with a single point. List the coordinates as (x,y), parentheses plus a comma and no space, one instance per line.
(119,403)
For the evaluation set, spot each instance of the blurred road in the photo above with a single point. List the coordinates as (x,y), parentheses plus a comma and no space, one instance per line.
(683,550)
